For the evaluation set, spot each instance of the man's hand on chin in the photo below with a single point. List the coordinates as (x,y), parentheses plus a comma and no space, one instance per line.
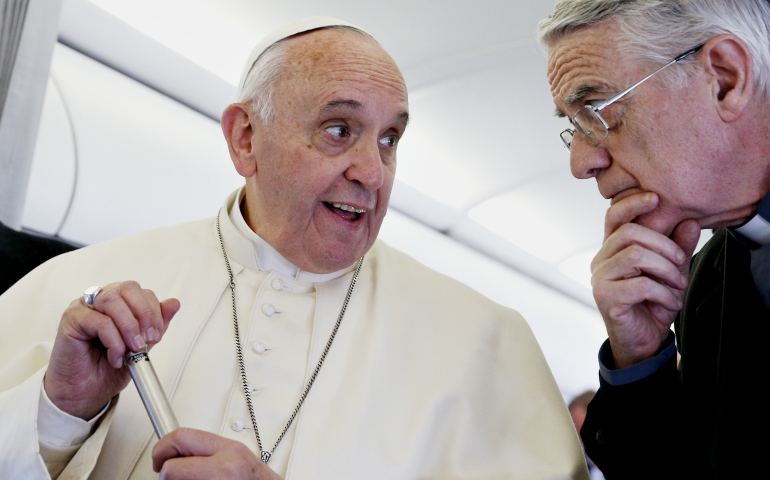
(639,277)
(193,454)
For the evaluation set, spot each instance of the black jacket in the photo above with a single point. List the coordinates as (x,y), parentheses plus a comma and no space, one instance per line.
(707,419)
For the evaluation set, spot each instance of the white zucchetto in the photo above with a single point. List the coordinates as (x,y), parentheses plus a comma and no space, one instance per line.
(293,28)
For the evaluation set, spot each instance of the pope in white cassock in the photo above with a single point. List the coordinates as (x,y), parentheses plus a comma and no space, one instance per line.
(421,378)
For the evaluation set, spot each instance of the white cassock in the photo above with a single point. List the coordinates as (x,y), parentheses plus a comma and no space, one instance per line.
(426,378)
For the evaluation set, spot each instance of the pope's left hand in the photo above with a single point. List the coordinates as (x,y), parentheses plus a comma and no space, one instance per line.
(193,454)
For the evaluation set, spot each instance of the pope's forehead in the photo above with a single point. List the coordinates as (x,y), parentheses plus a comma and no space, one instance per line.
(323,58)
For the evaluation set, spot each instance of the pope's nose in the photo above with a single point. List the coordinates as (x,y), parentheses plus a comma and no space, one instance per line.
(366,165)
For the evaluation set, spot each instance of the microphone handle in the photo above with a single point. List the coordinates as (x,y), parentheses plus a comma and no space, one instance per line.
(152,394)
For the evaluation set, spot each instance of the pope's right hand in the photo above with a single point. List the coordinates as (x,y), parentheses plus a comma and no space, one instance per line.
(639,278)
(86,368)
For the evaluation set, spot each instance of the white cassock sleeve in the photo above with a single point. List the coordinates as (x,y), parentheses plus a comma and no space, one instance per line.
(60,434)
(27,455)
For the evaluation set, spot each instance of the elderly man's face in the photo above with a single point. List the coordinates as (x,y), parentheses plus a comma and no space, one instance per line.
(661,139)
(327,160)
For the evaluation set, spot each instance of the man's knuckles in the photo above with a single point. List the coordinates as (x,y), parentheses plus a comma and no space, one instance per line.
(634,257)
(633,234)
(625,293)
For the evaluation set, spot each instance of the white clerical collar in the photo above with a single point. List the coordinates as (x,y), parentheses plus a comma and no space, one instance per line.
(252,251)
(758,228)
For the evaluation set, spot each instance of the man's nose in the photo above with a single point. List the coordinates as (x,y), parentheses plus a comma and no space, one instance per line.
(366,165)
(586,161)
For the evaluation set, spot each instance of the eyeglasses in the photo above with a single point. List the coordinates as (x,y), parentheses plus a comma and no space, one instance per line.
(591,126)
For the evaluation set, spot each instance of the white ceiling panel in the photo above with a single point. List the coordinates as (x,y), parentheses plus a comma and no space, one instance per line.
(219,34)
(144,160)
(553,217)
(476,136)
(578,266)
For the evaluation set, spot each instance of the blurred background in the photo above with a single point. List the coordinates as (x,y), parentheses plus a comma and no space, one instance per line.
(126,138)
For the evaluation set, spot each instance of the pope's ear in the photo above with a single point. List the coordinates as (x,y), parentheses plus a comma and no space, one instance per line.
(728,61)
(238,131)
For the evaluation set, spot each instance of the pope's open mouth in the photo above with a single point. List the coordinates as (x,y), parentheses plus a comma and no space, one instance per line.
(345,211)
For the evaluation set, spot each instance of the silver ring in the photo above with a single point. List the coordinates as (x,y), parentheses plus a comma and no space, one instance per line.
(90,295)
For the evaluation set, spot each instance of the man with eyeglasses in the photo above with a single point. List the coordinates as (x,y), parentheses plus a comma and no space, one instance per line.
(669,105)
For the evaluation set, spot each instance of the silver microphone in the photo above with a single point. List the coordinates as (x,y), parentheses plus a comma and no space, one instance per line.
(152,394)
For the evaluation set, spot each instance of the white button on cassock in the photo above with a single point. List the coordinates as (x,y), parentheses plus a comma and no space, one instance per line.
(259,347)
(278,284)
(237,425)
(268,309)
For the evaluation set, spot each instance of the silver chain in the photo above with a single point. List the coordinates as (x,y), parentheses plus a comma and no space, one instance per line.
(265,455)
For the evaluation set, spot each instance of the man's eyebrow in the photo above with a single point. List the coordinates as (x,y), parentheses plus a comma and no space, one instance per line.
(403,116)
(580,93)
(576,96)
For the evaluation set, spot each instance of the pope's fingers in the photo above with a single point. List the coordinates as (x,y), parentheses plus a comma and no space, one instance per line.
(85,324)
(633,234)
(229,464)
(634,261)
(111,302)
(158,315)
(193,454)
(187,468)
(168,308)
(627,209)
(184,442)
(145,309)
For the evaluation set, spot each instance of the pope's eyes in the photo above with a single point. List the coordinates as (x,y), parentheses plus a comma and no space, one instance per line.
(389,141)
(338,131)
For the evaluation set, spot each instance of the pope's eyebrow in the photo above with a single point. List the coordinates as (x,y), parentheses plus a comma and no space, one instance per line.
(356,105)
(335,104)
(576,96)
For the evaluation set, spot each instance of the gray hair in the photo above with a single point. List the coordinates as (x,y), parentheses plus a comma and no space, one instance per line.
(260,83)
(659,30)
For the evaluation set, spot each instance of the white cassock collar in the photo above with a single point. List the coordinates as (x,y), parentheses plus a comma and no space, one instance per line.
(250,250)
(758,228)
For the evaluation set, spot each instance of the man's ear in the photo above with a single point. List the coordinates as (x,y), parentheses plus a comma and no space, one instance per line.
(728,61)
(238,131)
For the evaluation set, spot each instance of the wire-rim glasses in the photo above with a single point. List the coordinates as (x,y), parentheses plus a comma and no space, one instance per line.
(590,124)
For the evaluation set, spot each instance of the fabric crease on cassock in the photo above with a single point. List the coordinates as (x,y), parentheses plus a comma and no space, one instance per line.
(426,378)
